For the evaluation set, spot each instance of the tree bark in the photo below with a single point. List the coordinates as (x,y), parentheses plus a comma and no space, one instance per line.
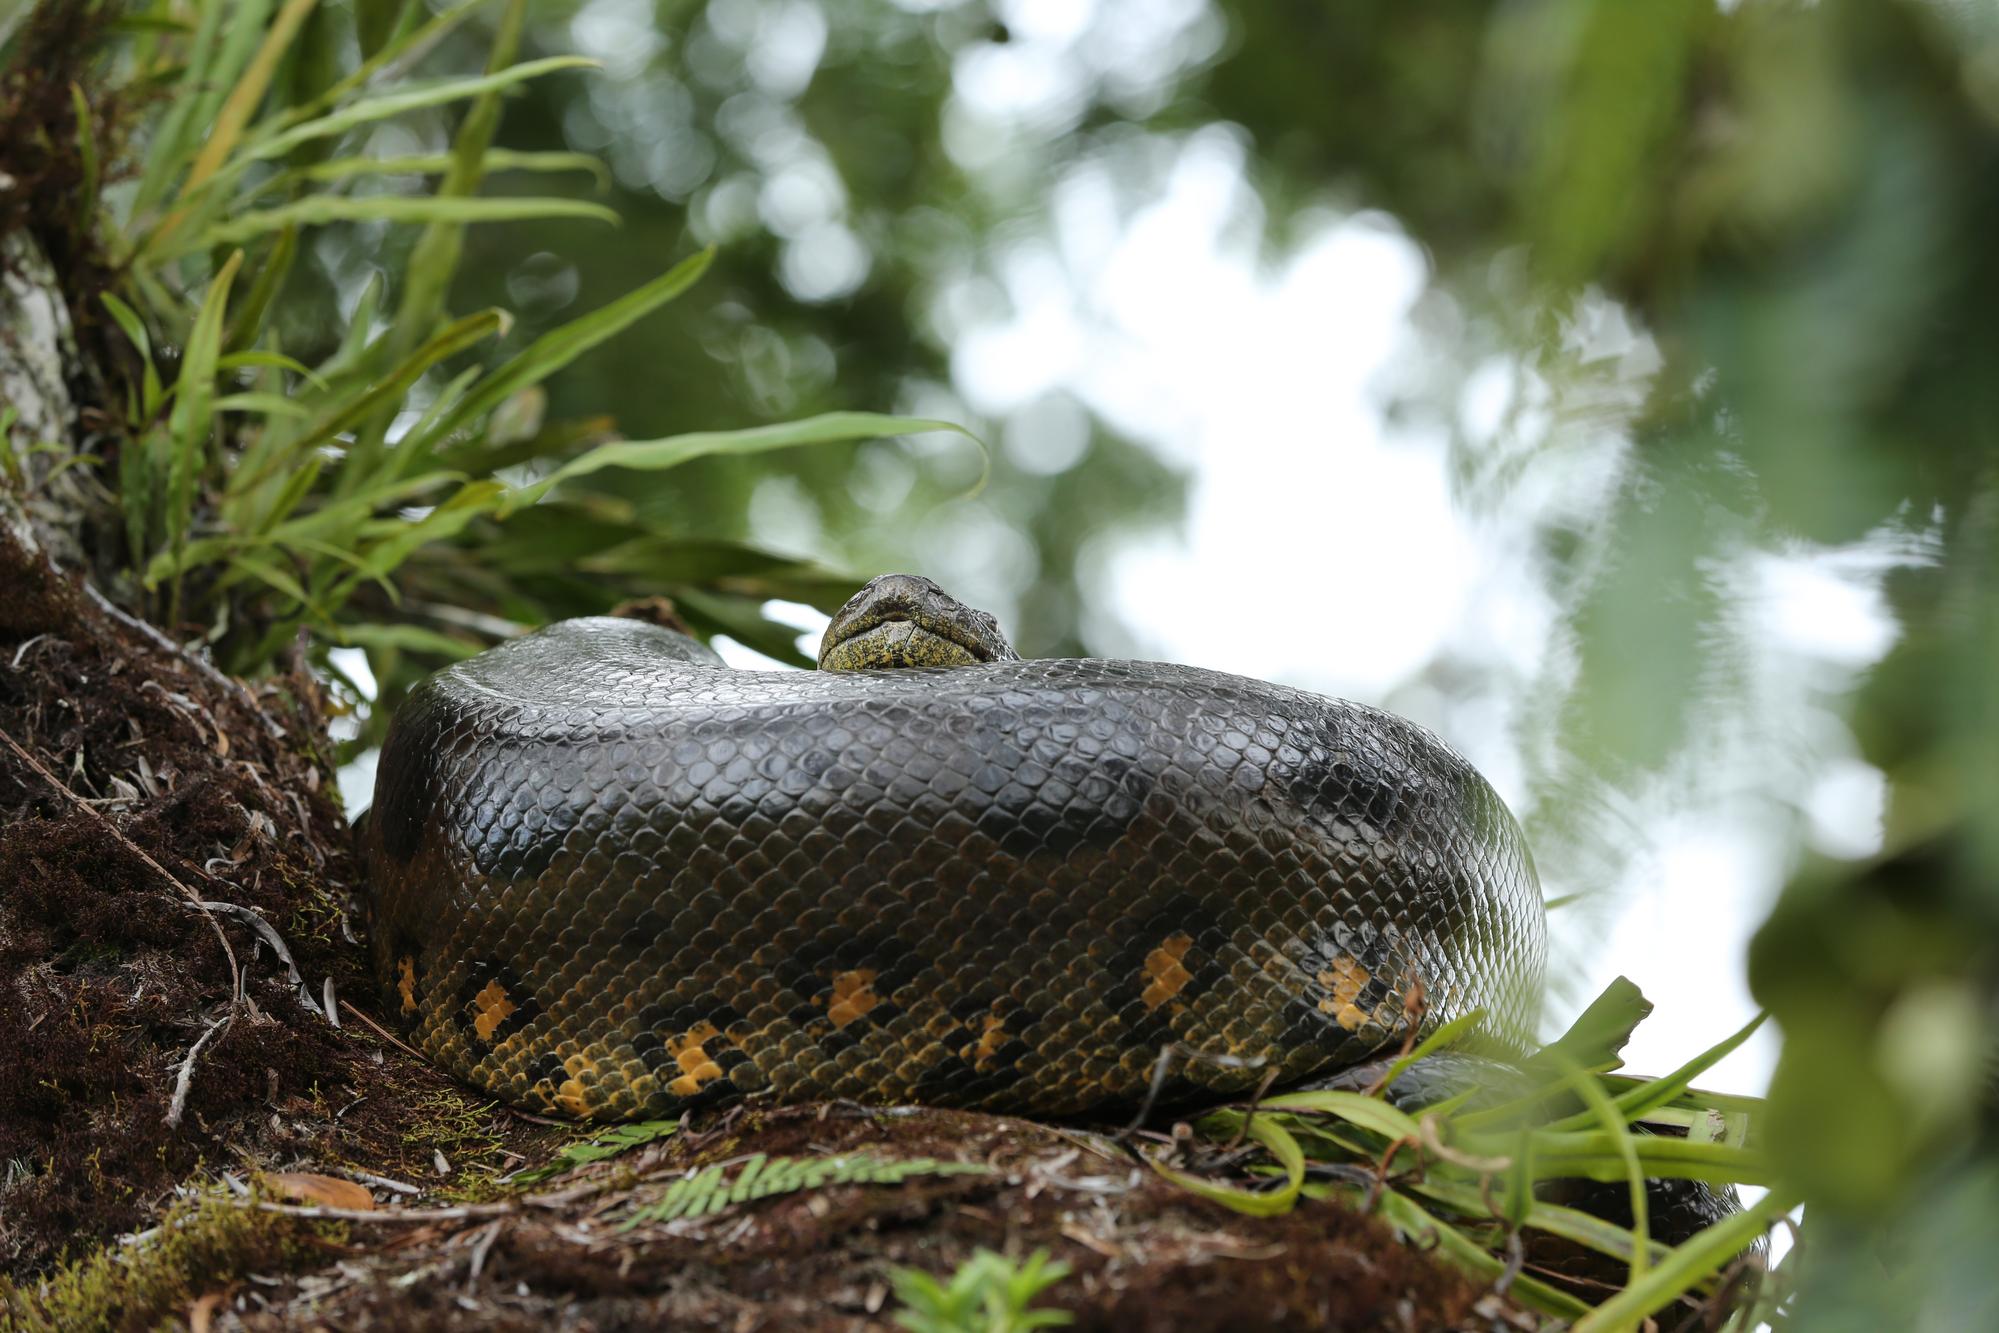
(37,352)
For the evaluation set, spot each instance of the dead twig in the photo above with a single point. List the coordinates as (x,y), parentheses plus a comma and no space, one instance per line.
(1163,1066)
(347,1006)
(254,919)
(1249,1112)
(480,1249)
(1413,1008)
(457,1214)
(185,1078)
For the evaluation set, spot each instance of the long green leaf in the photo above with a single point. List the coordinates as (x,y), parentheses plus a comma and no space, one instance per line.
(415,639)
(373,109)
(167,151)
(296,487)
(1634,1103)
(408,46)
(673,450)
(1600,1105)
(1598,1157)
(320,209)
(275,361)
(558,347)
(264,404)
(1445,1036)
(447,520)
(245,94)
(1409,1218)
(193,414)
(1688,1263)
(270,280)
(1370,1113)
(389,391)
(435,256)
(135,329)
(431,164)
(1569,1223)
(1256,1203)
(86,149)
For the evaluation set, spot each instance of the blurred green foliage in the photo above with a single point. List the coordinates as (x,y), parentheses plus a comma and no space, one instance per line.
(1800,203)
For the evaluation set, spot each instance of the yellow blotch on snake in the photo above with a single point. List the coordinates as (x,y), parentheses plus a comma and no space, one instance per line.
(697,1067)
(406,983)
(490,1008)
(853,995)
(1166,970)
(980,1053)
(1344,980)
(574,1094)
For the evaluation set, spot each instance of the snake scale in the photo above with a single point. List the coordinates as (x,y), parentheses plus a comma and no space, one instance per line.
(613,877)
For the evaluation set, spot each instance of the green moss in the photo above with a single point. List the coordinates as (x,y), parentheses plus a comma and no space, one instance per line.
(201,1244)
(461,1127)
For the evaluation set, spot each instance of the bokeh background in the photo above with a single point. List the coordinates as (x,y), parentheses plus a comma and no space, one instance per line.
(1609,387)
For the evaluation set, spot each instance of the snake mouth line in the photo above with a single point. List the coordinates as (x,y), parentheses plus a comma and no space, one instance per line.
(875,618)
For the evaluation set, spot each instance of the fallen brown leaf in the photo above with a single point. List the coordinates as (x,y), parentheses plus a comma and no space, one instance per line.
(201,1315)
(308,1188)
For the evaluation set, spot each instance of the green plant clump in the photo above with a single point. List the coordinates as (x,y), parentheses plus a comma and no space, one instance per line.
(395,490)
(989,1293)
(200,1244)
(711,1190)
(1462,1179)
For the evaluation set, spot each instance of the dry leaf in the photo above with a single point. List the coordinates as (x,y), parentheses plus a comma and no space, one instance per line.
(201,1315)
(308,1188)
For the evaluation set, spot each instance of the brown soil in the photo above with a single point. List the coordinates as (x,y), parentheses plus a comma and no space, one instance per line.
(1145,1254)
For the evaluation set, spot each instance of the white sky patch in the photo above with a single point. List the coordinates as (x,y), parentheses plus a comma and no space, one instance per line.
(1682,936)
(811,620)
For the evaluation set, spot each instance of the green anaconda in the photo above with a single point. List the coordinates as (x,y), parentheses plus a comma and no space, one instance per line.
(613,877)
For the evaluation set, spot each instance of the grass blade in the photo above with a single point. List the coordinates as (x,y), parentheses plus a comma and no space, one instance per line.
(435,256)
(407,48)
(1686,1265)
(243,98)
(372,109)
(1599,1104)
(321,209)
(273,360)
(431,164)
(1597,1157)
(271,275)
(1255,1203)
(1569,1223)
(168,150)
(673,450)
(391,389)
(558,347)
(193,412)
(1369,1113)
(86,149)
(1633,1103)
(134,328)
(1409,1218)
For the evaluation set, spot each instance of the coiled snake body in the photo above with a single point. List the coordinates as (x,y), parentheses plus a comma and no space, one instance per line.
(613,877)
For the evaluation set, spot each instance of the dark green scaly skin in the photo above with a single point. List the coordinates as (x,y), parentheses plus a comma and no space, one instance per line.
(613,877)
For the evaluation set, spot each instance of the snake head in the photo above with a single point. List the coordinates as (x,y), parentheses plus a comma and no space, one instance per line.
(905,620)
